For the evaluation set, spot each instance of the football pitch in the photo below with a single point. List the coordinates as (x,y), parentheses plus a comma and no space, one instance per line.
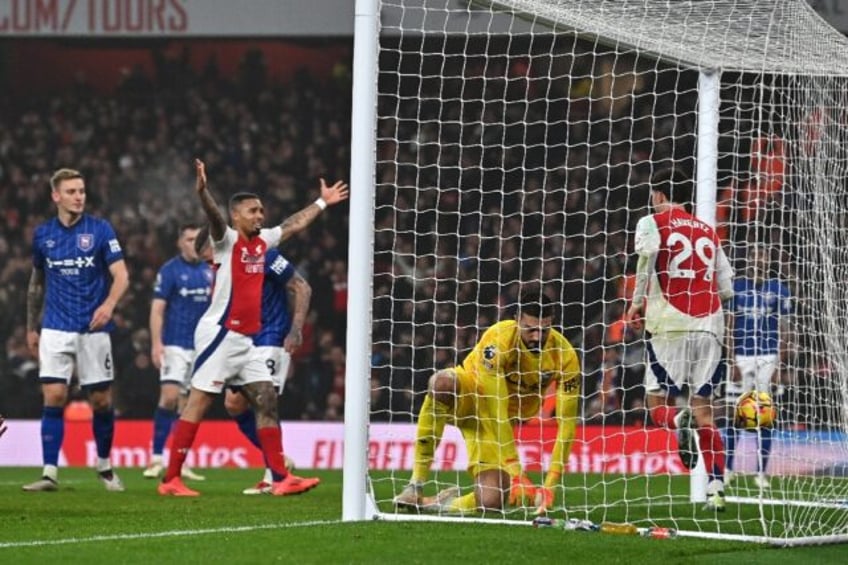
(84,524)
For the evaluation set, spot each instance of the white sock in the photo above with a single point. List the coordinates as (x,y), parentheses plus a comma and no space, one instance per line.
(268,478)
(103,465)
(715,486)
(51,472)
(156,459)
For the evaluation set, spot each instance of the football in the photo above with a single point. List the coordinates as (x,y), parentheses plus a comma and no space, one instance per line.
(755,410)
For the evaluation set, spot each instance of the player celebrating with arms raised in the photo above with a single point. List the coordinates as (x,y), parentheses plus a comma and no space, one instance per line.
(281,335)
(502,380)
(683,275)
(78,277)
(223,338)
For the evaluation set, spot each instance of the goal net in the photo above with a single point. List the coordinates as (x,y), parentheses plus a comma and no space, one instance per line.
(515,141)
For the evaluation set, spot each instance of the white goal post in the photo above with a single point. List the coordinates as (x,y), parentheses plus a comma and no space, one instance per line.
(497,144)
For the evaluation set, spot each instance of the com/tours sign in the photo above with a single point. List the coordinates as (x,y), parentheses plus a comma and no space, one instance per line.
(218,18)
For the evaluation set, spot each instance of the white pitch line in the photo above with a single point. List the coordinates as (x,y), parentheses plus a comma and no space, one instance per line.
(64,482)
(167,534)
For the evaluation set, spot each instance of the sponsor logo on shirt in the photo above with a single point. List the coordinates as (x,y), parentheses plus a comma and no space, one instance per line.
(70,266)
(114,246)
(199,294)
(253,264)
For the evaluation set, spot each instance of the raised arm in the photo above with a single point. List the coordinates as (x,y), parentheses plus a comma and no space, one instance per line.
(217,221)
(330,195)
(302,293)
(35,305)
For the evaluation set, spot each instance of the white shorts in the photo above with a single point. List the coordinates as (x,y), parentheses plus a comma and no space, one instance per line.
(685,358)
(757,371)
(224,358)
(273,361)
(59,351)
(176,366)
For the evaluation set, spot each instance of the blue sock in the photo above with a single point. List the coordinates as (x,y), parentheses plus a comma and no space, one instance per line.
(52,433)
(247,424)
(163,420)
(765,448)
(730,445)
(103,426)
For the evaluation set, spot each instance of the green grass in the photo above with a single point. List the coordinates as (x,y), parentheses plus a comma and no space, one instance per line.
(223,526)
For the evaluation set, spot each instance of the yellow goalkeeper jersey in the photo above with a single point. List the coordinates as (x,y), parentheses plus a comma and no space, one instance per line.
(527,375)
(510,383)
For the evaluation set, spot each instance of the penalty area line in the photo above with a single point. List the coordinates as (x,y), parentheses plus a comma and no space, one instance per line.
(166,534)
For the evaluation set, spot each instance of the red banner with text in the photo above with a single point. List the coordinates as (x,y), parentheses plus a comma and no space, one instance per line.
(319,445)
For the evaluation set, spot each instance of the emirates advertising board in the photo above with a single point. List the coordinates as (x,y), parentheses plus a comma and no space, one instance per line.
(320,445)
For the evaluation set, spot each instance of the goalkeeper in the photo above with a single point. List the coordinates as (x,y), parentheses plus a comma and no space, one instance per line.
(503,380)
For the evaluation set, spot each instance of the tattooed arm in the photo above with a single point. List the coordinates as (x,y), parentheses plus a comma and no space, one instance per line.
(35,305)
(298,222)
(217,222)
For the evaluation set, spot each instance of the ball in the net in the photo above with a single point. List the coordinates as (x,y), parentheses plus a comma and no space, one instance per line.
(755,410)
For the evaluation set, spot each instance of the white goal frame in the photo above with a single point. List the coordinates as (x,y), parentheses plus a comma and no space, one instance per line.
(358,501)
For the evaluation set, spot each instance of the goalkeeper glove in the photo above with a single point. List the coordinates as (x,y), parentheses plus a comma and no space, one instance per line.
(544,500)
(521,491)
(545,493)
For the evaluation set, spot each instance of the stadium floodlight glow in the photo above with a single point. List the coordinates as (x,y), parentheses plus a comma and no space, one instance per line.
(509,143)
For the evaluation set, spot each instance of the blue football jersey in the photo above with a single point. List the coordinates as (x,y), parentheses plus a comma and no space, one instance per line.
(276,321)
(186,288)
(75,261)
(757,309)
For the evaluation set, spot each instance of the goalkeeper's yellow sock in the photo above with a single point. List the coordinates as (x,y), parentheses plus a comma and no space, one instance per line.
(465,503)
(431,426)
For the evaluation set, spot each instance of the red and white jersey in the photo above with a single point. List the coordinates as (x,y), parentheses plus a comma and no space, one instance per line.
(687,270)
(240,271)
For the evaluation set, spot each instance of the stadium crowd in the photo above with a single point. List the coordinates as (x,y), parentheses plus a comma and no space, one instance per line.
(474,199)
(136,147)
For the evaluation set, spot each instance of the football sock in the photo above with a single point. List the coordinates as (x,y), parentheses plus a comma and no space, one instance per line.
(663,416)
(731,434)
(52,434)
(183,437)
(765,436)
(163,421)
(247,424)
(103,426)
(713,452)
(428,434)
(271,439)
(464,503)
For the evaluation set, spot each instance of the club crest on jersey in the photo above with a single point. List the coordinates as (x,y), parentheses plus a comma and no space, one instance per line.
(85,241)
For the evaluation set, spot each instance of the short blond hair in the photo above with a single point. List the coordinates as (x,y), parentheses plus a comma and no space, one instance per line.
(62,175)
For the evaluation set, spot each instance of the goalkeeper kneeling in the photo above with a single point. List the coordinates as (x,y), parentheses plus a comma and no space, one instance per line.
(501,381)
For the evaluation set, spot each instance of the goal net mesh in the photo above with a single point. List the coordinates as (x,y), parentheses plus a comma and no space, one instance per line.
(515,143)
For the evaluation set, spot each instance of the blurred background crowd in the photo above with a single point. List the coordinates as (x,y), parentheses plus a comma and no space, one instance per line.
(494,172)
